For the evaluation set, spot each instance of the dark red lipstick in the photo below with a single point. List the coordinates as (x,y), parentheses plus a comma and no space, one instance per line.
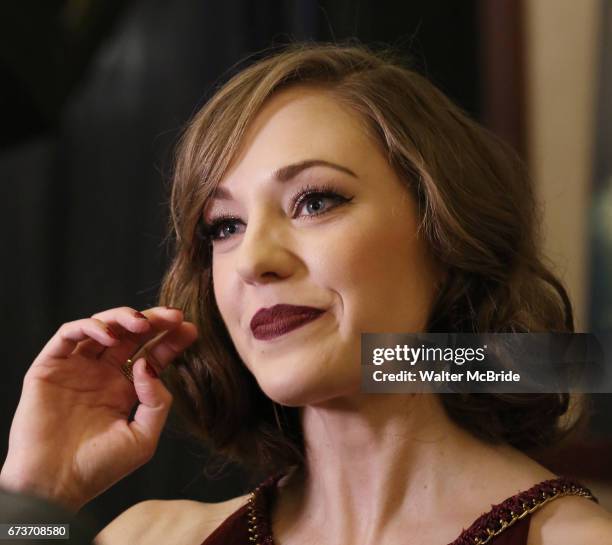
(272,322)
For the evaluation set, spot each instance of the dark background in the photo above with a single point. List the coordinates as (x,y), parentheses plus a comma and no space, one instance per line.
(93,97)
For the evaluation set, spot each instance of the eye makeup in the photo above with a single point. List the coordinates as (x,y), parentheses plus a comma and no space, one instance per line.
(307,193)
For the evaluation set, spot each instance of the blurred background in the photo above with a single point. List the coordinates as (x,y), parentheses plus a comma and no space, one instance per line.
(94,94)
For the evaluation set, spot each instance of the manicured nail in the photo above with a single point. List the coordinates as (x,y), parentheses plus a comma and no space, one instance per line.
(140,315)
(149,369)
(112,334)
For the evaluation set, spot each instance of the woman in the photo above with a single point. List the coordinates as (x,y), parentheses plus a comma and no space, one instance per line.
(323,192)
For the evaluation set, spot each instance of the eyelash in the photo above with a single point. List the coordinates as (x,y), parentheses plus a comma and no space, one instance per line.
(323,191)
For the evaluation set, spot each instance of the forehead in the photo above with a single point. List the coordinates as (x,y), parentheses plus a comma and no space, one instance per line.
(300,124)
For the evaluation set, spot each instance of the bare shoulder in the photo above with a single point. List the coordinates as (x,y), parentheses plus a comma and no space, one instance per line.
(570,520)
(180,522)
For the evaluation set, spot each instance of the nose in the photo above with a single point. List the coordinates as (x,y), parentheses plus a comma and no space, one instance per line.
(264,253)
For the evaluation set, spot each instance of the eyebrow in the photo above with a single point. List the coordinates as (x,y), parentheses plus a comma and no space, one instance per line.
(288,172)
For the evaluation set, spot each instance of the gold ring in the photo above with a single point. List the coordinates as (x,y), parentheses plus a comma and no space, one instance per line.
(126,369)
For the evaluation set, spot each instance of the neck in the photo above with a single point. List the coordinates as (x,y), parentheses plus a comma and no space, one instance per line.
(376,460)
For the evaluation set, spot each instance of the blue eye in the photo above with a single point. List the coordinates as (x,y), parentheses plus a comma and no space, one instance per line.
(314,201)
(225,226)
(222,228)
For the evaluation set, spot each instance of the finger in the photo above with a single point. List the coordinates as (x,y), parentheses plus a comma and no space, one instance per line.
(128,317)
(127,322)
(155,401)
(161,354)
(159,320)
(69,334)
(89,349)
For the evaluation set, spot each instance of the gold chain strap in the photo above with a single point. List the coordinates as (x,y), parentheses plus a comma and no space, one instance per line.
(252,517)
(254,529)
(527,509)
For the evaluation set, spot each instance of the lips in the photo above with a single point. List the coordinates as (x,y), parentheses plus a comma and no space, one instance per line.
(272,322)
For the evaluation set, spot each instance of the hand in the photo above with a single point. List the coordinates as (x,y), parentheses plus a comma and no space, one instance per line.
(70,438)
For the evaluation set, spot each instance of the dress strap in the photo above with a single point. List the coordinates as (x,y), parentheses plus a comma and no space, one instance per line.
(505,514)
(258,511)
(485,528)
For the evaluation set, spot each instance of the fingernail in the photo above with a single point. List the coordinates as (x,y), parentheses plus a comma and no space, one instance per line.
(149,369)
(112,333)
(140,315)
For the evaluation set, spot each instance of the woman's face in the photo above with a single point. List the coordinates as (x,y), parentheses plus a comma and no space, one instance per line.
(349,249)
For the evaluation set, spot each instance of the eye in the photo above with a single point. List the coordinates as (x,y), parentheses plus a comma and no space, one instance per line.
(315,200)
(222,228)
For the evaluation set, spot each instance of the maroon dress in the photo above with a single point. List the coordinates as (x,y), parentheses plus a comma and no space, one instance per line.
(507,523)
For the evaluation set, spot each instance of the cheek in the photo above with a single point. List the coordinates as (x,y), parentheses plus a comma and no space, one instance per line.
(228,301)
(381,274)
(223,292)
